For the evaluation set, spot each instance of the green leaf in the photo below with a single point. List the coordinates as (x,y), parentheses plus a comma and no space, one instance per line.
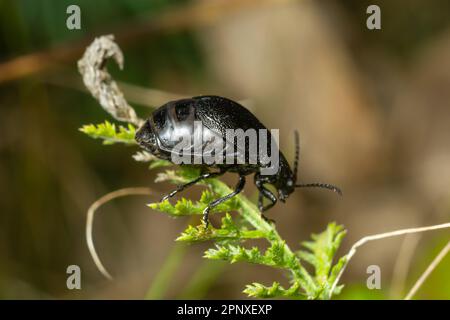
(258,290)
(228,231)
(274,256)
(184,207)
(159,164)
(182,175)
(155,162)
(110,133)
(320,254)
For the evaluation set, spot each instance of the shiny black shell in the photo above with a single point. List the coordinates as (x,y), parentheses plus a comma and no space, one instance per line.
(217,114)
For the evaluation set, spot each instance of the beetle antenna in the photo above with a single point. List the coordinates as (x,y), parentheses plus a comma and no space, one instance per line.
(320,185)
(297,154)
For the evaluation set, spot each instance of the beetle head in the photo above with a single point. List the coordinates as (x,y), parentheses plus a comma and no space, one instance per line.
(146,138)
(285,190)
(285,184)
(286,177)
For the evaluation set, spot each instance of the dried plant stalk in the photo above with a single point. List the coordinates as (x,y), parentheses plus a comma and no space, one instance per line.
(428,271)
(90,220)
(385,235)
(99,82)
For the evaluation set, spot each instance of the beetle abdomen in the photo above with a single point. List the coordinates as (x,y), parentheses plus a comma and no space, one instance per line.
(212,130)
(218,113)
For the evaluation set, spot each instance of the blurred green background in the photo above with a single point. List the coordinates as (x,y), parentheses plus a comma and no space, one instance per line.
(372,108)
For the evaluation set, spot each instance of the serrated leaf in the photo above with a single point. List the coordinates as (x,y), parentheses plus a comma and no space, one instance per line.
(154,162)
(110,133)
(272,257)
(258,290)
(320,255)
(159,164)
(308,257)
(227,232)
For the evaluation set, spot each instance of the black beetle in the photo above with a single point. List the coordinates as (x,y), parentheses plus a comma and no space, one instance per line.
(166,127)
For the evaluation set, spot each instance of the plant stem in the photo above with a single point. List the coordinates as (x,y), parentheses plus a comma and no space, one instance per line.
(250,213)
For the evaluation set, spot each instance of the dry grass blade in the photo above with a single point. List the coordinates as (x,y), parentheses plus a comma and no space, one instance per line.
(428,271)
(90,220)
(385,235)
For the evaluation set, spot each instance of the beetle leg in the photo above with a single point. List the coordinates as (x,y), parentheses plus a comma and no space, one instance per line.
(239,187)
(260,201)
(191,183)
(268,195)
(265,193)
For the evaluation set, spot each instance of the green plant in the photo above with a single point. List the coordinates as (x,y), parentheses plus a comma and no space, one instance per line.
(230,237)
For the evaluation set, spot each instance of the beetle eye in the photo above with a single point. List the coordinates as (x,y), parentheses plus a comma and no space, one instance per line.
(159,118)
(182,111)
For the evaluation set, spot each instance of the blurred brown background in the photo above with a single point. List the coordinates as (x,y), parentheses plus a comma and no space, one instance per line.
(372,108)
